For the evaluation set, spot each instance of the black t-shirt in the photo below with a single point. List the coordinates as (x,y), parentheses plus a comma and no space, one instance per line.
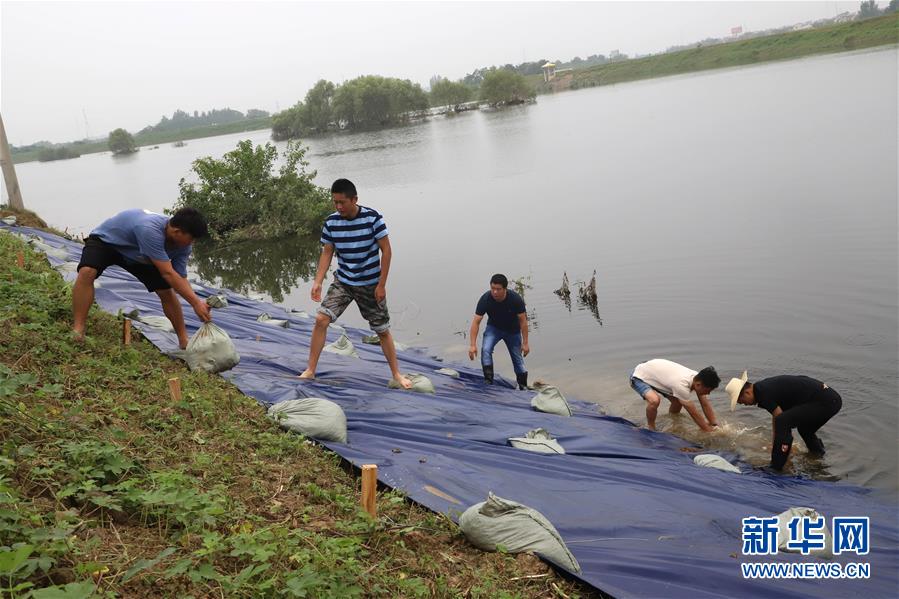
(786,391)
(503,315)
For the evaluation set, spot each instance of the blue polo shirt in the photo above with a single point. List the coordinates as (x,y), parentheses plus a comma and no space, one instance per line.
(139,235)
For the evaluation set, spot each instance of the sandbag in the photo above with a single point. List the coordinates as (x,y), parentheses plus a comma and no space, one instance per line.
(420,383)
(448,372)
(266,318)
(158,322)
(67,267)
(538,440)
(517,528)
(550,400)
(783,526)
(312,417)
(342,347)
(211,349)
(59,253)
(710,460)
(217,301)
(8,220)
(376,340)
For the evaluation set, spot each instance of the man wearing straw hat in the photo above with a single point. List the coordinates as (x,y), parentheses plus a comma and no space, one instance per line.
(799,402)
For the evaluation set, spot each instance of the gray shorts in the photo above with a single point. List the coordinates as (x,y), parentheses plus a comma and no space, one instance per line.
(340,295)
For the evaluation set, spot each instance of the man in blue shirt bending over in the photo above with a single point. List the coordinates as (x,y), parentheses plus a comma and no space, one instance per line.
(358,236)
(152,247)
(507,321)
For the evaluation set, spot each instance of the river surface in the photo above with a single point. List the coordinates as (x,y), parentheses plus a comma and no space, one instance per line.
(744,218)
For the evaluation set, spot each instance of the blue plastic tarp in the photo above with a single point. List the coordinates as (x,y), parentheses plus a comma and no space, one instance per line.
(639,516)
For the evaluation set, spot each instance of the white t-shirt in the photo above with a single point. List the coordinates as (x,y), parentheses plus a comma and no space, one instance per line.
(668,377)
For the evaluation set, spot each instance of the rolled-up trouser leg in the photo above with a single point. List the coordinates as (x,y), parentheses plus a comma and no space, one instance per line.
(783,442)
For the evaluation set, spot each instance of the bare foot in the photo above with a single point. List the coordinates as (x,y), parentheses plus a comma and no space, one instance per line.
(78,336)
(403,382)
(308,375)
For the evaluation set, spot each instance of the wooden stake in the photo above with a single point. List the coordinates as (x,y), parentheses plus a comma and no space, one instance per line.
(20,259)
(369,486)
(126,332)
(175,388)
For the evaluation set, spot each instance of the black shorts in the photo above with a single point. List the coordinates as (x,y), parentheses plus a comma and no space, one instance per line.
(99,255)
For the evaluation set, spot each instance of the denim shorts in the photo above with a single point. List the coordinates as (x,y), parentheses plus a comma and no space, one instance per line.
(639,386)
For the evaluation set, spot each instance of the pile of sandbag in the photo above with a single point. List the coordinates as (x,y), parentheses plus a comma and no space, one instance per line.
(517,528)
(538,440)
(550,400)
(312,417)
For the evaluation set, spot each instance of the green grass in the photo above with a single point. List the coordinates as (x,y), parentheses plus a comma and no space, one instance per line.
(155,138)
(109,486)
(837,38)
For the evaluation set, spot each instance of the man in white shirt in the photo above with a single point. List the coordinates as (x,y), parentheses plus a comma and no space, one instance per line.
(657,378)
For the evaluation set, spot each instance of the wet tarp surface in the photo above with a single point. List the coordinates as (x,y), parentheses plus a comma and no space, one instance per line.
(639,516)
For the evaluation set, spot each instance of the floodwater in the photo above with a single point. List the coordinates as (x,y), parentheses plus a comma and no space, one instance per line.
(744,218)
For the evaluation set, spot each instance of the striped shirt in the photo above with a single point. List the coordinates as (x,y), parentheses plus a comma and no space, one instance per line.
(356,243)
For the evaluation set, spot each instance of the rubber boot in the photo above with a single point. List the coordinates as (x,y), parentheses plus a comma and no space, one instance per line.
(488,373)
(522,380)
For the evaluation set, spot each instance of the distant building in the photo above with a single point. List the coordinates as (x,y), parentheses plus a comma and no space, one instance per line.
(549,71)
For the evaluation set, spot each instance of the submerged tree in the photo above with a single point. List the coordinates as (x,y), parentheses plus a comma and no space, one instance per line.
(449,93)
(121,142)
(501,87)
(242,195)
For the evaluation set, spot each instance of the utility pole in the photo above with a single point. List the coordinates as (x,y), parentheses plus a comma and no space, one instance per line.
(9,172)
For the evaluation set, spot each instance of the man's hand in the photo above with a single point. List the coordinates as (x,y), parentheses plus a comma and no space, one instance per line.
(202,310)
(380,293)
(316,292)
(525,349)
(472,352)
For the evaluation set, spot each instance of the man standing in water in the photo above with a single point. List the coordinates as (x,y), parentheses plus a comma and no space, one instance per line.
(508,322)
(152,247)
(356,234)
(799,402)
(659,378)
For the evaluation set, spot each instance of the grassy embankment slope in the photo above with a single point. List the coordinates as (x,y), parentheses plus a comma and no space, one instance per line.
(107,484)
(837,38)
(158,137)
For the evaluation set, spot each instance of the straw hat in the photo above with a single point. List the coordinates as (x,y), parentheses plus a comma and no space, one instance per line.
(734,387)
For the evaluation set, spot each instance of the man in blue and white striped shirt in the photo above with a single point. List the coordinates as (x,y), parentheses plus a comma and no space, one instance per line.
(358,236)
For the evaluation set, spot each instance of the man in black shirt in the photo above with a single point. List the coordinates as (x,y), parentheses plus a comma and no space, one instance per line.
(798,402)
(507,321)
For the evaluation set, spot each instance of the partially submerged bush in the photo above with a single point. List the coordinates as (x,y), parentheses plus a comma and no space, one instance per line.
(243,196)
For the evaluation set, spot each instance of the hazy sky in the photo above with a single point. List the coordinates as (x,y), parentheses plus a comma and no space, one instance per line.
(68,69)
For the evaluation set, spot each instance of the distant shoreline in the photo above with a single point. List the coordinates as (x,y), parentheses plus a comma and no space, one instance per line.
(845,37)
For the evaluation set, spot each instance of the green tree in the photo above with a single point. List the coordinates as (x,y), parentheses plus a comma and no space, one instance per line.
(868,9)
(449,93)
(372,101)
(243,196)
(317,113)
(501,86)
(121,142)
(892,7)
